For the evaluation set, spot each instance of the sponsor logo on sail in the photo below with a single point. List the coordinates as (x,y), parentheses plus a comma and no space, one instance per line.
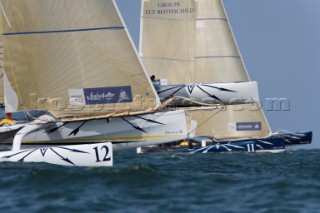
(107,95)
(100,96)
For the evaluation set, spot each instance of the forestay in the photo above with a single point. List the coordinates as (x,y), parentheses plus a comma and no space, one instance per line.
(73,58)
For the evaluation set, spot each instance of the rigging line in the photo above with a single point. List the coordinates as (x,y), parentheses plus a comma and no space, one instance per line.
(5,15)
(204,122)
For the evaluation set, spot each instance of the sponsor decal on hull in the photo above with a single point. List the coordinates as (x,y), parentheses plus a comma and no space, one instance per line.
(244,126)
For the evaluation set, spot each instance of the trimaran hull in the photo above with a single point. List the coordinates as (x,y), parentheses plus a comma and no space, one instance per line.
(274,143)
(124,132)
(209,93)
(91,142)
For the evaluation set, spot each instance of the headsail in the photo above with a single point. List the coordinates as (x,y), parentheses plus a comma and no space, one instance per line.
(73,58)
(217,58)
(204,40)
(233,121)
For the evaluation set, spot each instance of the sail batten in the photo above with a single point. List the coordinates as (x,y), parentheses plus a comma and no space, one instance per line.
(76,57)
(216,19)
(169,59)
(66,31)
(219,56)
(168,19)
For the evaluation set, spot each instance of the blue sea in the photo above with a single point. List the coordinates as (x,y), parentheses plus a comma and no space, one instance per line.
(168,182)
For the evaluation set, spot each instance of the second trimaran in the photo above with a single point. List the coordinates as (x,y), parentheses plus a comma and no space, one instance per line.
(189,46)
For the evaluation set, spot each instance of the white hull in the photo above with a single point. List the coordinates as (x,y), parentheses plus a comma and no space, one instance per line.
(79,155)
(227,93)
(124,132)
(91,142)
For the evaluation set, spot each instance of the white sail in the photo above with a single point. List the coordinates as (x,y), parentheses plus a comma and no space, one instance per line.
(209,52)
(217,58)
(73,58)
(167,39)
(232,121)
(11,100)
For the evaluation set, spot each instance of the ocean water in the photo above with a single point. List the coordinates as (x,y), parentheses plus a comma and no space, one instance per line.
(168,182)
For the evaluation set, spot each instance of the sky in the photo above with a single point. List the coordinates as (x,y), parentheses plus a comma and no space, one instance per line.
(279,41)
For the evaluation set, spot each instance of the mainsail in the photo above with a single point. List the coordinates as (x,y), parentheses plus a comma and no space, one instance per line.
(73,58)
(191,41)
(167,39)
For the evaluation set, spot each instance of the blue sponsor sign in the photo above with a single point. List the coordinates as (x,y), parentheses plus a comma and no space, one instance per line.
(107,95)
(249,126)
